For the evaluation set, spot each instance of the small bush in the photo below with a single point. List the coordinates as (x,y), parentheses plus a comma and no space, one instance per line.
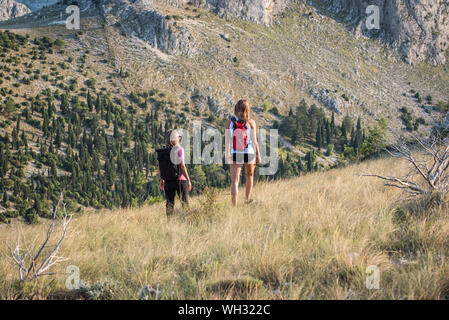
(101,290)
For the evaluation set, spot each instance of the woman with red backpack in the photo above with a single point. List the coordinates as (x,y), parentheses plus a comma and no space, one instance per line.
(242,148)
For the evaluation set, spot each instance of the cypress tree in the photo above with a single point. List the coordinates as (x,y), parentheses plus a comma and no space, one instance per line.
(310,161)
(5,202)
(333,124)
(328,132)
(319,136)
(97,104)
(89,101)
(358,139)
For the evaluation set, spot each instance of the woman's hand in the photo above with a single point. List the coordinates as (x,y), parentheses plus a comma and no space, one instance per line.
(162,187)
(228,159)
(190,185)
(257,159)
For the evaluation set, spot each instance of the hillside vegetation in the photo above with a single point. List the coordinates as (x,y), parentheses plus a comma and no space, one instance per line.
(62,130)
(82,111)
(310,237)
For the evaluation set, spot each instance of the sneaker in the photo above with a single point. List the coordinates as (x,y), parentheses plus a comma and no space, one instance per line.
(250,201)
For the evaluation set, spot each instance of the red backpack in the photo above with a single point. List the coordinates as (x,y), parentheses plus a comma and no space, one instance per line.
(240,136)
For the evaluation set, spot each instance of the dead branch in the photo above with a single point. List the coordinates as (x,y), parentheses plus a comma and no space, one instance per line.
(38,263)
(430,164)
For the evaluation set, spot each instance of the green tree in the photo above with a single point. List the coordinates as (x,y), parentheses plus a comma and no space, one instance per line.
(376,139)
(310,160)
(10,106)
(198,178)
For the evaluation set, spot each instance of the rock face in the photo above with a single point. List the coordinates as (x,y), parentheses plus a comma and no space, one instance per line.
(418,29)
(259,11)
(34,5)
(328,100)
(139,18)
(10,9)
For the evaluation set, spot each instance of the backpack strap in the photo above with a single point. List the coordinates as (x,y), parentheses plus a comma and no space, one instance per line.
(234,120)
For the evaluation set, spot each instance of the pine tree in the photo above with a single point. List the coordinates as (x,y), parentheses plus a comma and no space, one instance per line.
(98,104)
(319,136)
(298,134)
(333,124)
(300,166)
(328,132)
(310,159)
(53,171)
(45,124)
(358,139)
(89,101)
(5,201)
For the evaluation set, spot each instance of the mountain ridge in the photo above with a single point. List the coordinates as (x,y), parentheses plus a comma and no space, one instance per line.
(418,31)
(194,54)
(10,9)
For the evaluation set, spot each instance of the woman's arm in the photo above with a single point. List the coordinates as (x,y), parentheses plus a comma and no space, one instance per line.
(254,140)
(185,173)
(162,186)
(228,142)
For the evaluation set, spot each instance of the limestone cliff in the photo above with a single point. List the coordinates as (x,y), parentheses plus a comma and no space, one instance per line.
(418,29)
(10,9)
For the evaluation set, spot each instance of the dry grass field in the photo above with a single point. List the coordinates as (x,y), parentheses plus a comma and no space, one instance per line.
(310,237)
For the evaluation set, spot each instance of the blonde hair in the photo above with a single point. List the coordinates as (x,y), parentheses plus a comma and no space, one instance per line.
(242,110)
(170,137)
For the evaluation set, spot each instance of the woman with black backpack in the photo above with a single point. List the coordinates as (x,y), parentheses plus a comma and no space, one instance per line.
(242,148)
(173,171)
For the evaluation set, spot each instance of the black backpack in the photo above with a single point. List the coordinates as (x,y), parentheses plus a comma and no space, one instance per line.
(169,170)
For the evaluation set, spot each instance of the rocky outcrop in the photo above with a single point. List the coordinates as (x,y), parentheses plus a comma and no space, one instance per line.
(10,9)
(140,19)
(259,11)
(330,101)
(35,5)
(418,29)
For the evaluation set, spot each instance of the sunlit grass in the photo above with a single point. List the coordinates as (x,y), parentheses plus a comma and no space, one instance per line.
(307,238)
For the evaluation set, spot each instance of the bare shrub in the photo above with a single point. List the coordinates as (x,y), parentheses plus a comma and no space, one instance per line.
(208,206)
(429,166)
(34,261)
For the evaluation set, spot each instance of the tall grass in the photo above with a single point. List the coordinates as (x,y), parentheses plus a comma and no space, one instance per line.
(310,237)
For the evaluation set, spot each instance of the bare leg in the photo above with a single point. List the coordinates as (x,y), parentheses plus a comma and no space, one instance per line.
(249,180)
(235,178)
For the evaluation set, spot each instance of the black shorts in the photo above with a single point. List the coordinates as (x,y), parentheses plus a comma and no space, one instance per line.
(246,157)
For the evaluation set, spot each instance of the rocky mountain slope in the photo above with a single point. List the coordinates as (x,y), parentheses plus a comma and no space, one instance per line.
(34,5)
(418,29)
(147,64)
(10,9)
(288,55)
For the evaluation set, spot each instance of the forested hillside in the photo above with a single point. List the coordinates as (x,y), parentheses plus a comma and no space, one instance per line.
(62,134)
